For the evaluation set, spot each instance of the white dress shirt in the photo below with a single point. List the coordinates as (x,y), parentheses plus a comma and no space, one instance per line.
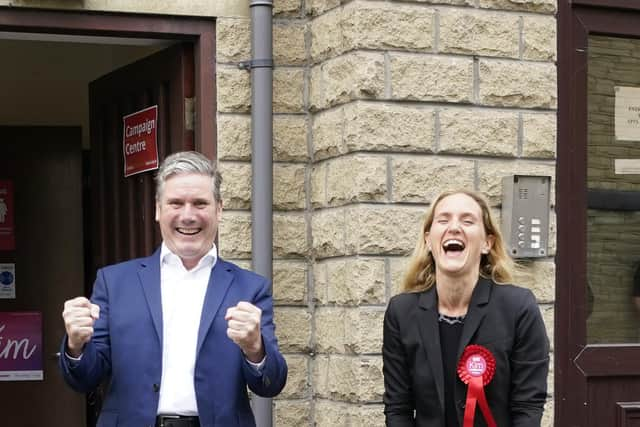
(183,293)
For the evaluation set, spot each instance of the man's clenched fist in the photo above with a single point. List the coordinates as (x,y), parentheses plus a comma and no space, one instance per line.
(79,316)
(243,327)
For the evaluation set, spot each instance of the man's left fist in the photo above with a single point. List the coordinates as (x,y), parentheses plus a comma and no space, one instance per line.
(243,328)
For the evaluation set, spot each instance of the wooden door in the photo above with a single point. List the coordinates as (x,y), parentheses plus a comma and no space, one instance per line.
(123,209)
(45,166)
(597,369)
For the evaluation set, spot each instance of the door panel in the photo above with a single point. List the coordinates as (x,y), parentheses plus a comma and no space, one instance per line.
(597,374)
(45,164)
(124,208)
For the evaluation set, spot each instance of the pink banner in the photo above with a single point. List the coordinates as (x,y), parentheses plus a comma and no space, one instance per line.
(21,346)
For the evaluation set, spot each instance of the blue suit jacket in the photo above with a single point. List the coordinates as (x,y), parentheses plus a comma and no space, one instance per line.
(127,347)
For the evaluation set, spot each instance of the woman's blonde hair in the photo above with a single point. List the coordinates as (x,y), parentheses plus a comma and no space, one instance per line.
(496,265)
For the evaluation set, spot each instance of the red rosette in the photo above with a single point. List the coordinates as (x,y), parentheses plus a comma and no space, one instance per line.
(476,369)
(476,361)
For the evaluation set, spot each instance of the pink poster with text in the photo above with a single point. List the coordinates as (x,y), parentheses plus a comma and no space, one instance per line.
(21,346)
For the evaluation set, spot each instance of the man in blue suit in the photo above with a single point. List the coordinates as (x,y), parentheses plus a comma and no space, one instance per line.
(180,334)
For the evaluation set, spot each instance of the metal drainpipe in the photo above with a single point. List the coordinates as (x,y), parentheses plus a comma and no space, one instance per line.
(262,159)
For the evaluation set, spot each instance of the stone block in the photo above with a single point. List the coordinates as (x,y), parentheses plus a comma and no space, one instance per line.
(449,79)
(288,90)
(290,138)
(328,128)
(548,316)
(479,132)
(356,179)
(356,75)
(293,329)
(473,32)
(339,414)
(288,43)
(235,235)
(517,84)
(540,6)
(419,179)
(382,230)
(234,137)
(234,90)
(289,186)
(287,8)
(298,386)
(539,38)
(348,378)
(398,267)
(292,413)
(349,330)
(449,2)
(327,38)
(539,135)
(290,235)
(382,25)
(328,229)
(352,281)
(236,185)
(540,277)
(319,185)
(290,282)
(318,7)
(233,39)
(388,127)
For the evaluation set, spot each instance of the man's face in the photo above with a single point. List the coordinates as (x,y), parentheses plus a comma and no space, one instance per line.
(188,216)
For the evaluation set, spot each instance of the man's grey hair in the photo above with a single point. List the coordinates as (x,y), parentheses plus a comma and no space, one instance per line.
(185,162)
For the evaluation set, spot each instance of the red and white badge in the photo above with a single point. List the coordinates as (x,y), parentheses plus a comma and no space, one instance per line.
(476,369)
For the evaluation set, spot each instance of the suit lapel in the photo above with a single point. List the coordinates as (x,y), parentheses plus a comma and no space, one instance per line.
(475,314)
(219,282)
(149,274)
(430,336)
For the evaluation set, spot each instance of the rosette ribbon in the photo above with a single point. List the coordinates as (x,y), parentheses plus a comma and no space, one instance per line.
(476,368)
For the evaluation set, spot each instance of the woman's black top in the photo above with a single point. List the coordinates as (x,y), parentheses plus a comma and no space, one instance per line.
(450,333)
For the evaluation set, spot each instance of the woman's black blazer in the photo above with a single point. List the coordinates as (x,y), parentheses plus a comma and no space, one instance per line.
(503,318)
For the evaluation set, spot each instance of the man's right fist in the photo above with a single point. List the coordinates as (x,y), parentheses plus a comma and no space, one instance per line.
(79,316)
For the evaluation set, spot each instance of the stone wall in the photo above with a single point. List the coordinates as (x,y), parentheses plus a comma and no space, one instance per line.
(378,106)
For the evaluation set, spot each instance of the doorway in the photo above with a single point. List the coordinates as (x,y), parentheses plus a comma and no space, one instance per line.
(53,57)
(44,165)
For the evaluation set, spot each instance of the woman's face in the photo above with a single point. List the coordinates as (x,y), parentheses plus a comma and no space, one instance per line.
(457,238)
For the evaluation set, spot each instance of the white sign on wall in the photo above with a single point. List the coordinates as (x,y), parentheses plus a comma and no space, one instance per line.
(627,113)
(627,166)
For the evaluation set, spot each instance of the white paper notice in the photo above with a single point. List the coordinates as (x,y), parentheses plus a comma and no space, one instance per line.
(627,113)
(627,166)
(7,281)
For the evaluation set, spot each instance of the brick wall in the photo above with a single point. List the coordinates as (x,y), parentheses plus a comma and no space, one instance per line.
(378,106)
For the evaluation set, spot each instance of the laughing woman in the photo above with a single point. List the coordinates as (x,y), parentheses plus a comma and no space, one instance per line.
(463,347)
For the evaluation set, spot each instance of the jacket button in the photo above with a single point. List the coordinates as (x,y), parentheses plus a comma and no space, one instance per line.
(156,387)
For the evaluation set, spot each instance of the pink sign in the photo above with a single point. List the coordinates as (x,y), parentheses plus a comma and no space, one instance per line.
(140,142)
(7,213)
(21,346)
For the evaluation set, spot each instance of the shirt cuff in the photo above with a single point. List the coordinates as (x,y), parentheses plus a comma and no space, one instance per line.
(75,359)
(257,366)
